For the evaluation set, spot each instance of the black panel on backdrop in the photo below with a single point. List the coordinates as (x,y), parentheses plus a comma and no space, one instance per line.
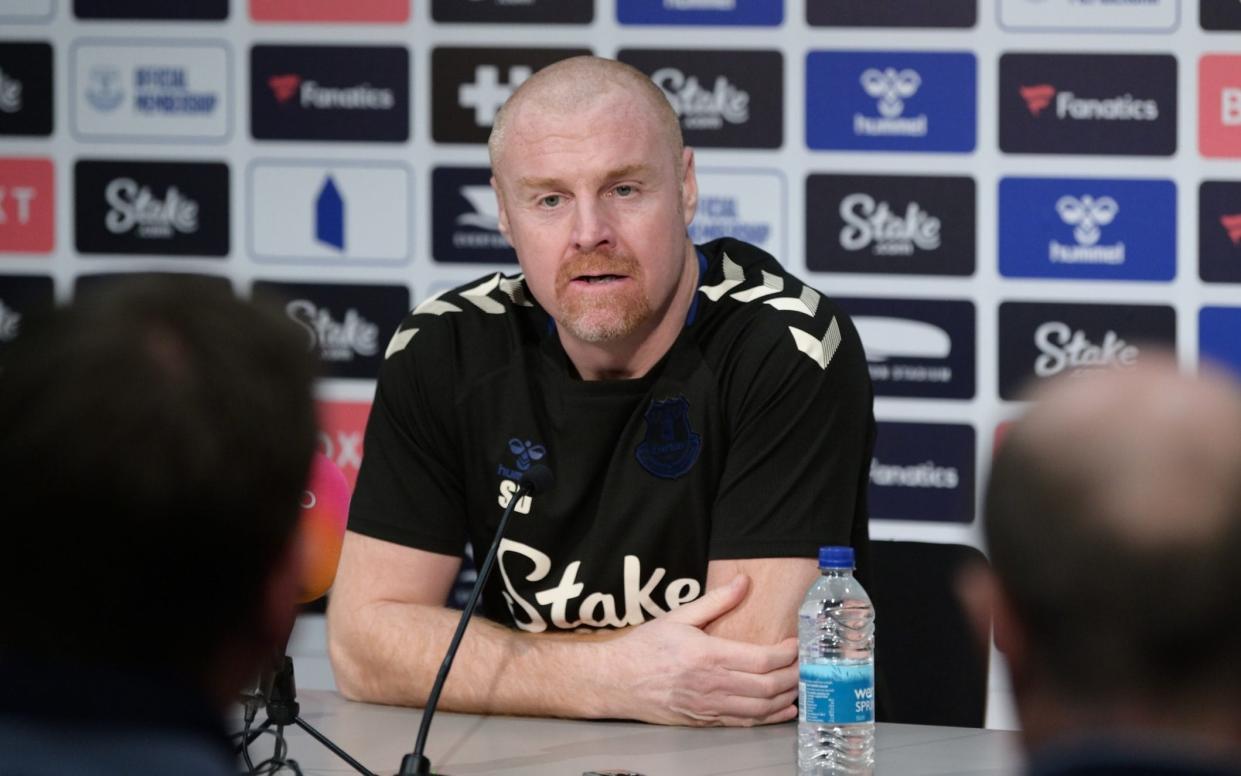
(910,225)
(509,12)
(85,285)
(1039,341)
(1220,14)
(468,86)
(923,471)
(892,13)
(349,325)
(150,9)
(21,298)
(1219,231)
(1088,104)
(464,218)
(920,348)
(726,99)
(155,208)
(329,93)
(26,89)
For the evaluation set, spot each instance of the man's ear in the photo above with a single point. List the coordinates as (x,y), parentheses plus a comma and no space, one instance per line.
(689,185)
(989,609)
(501,210)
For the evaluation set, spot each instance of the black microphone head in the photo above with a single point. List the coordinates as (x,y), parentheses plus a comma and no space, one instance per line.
(539,478)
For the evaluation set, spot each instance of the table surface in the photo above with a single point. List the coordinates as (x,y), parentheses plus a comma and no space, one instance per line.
(467,745)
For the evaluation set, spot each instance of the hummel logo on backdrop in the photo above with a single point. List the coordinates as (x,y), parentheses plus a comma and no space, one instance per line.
(10,93)
(890,88)
(1086,214)
(1232,225)
(486,94)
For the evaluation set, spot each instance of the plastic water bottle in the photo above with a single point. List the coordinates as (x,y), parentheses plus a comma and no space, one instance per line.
(836,667)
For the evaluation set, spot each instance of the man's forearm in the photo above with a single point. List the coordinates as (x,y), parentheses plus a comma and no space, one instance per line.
(388,652)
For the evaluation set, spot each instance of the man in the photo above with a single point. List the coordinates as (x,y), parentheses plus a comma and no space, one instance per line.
(155,441)
(1113,518)
(707,416)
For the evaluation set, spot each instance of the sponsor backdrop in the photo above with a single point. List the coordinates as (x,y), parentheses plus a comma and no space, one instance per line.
(999,190)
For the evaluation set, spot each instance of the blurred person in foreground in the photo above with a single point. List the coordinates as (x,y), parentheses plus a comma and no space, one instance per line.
(155,440)
(707,416)
(1113,519)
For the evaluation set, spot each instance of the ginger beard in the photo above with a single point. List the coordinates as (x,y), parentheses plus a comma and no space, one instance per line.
(603,314)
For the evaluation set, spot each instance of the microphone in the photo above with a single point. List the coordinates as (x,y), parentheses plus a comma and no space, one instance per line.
(321,530)
(536,480)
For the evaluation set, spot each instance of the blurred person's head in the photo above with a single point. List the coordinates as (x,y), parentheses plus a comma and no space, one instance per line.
(155,439)
(1113,520)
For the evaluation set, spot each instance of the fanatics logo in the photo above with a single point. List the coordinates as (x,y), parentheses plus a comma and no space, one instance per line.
(468,86)
(725,99)
(329,10)
(27,205)
(891,101)
(1219,231)
(26,87)
(1088,104)
(1219,105)
(349,213)
(701,12)
(1089,229)
(923,471)
(329,93)
(1040,341)
(915,225)
(147,90)
(1037,97)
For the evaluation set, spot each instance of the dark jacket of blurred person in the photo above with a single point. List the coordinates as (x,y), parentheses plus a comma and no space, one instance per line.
(1113,519)
(155,439)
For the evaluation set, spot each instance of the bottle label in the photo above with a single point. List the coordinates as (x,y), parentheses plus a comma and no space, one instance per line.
(836,693)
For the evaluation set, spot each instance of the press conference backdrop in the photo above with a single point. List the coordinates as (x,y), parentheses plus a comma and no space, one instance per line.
(998,191)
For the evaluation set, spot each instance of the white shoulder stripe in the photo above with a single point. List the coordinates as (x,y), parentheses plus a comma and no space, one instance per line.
(772,284)
(398,342)
(807,303)
(820,351)
(733,277)
(477,296)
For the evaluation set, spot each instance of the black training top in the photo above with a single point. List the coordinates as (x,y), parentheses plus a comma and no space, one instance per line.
(751,438)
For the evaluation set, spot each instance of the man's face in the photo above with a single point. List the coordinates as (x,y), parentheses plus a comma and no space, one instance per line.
(596,204)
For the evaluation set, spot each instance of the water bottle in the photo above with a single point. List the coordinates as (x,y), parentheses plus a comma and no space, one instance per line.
(836,672)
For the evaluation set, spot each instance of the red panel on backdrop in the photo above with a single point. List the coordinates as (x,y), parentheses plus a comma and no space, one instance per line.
(342,424)
(329,10)
(27,206)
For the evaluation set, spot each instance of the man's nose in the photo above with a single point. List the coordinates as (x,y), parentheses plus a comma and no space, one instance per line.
(592,227)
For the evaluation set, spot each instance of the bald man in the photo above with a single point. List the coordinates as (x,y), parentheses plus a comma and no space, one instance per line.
(707,416)
(1113,517)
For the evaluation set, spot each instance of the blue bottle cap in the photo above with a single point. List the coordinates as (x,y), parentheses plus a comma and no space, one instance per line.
(835,557)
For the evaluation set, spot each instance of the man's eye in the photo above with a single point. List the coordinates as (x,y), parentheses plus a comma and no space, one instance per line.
(551,200)
(624,191)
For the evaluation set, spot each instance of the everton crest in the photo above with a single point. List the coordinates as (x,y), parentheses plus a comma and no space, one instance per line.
(671,446)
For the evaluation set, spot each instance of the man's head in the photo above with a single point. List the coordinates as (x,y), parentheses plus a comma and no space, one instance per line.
(154,443)
(1113,519)
(596,190)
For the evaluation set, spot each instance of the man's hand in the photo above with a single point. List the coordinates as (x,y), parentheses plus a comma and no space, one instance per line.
(671,672)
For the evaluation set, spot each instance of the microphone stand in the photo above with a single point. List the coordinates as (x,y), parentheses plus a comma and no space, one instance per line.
(539,478)
(276,691)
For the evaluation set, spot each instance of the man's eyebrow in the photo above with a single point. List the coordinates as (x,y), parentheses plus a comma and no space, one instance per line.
(540,184)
